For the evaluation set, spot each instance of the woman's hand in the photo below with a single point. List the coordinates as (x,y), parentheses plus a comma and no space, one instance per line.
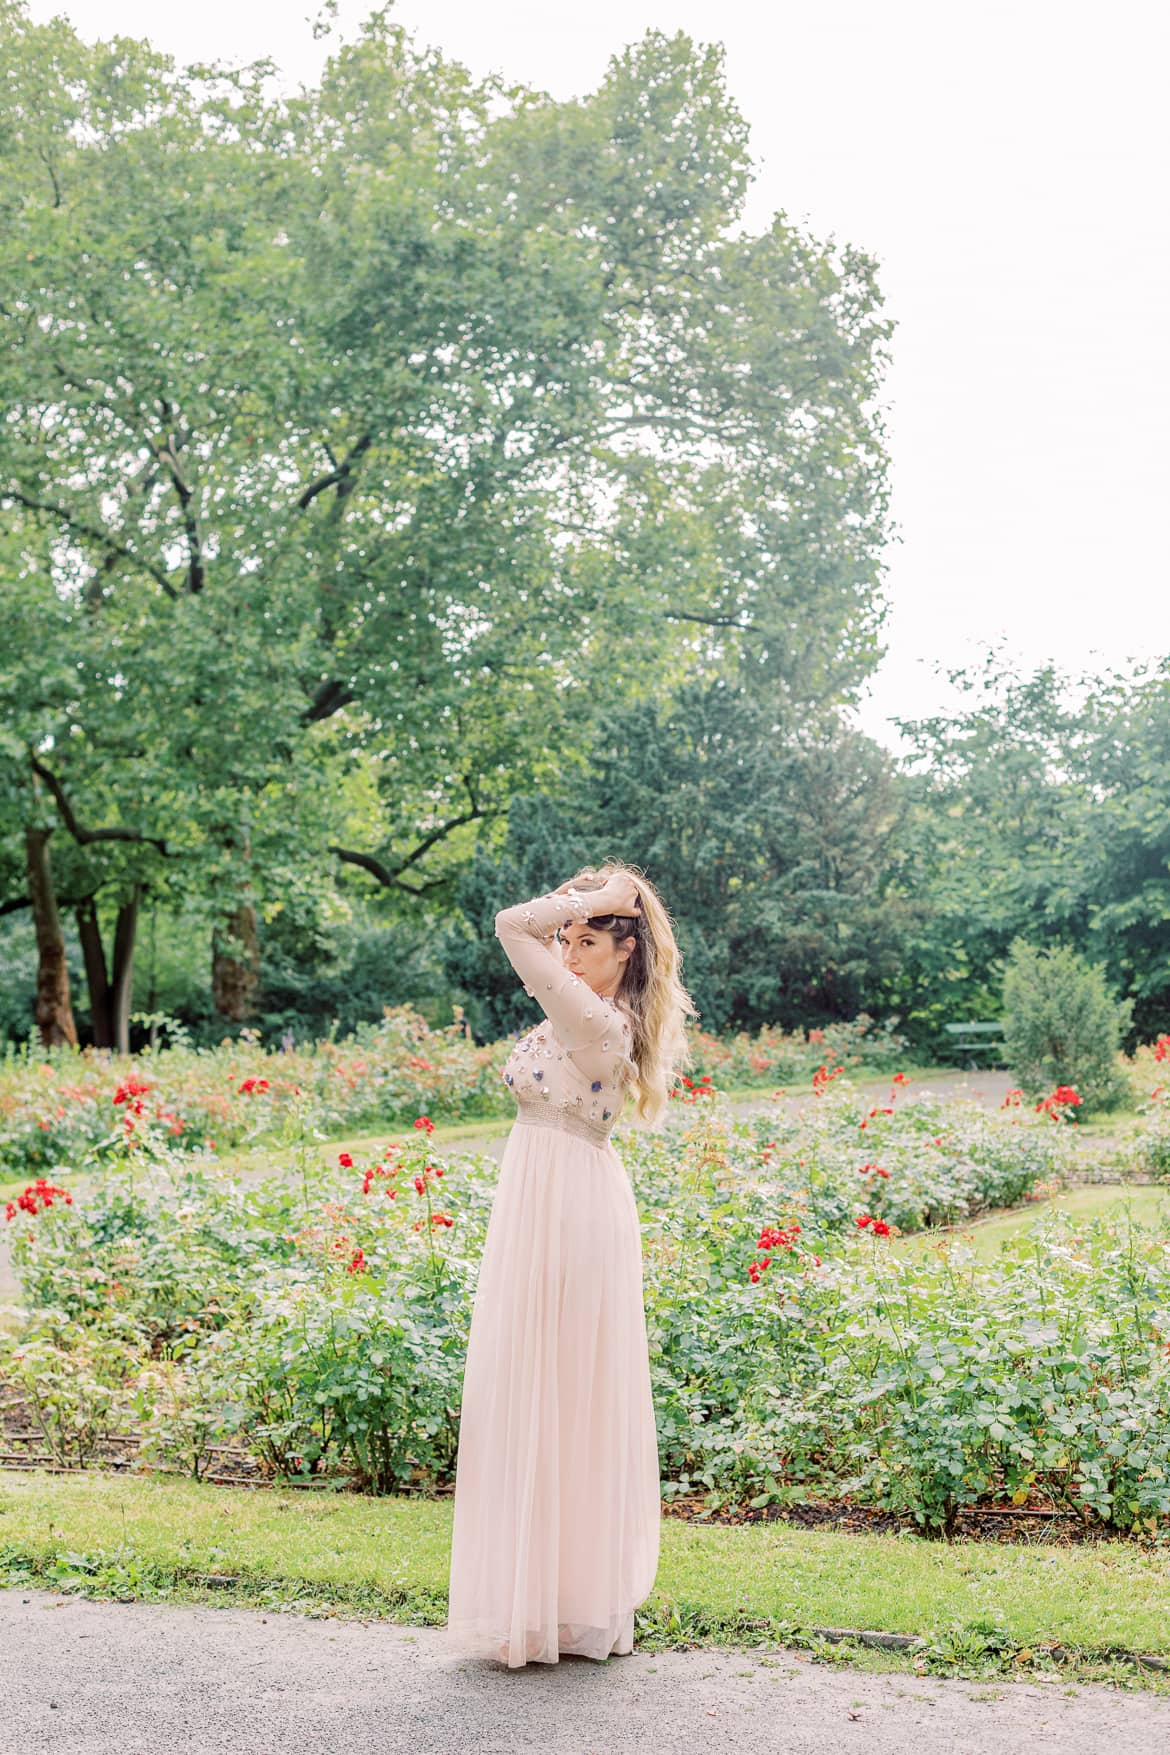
(617,895)
(621,894)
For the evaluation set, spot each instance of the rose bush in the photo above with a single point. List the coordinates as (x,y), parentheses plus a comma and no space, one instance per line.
(64,1110)
(320,1319)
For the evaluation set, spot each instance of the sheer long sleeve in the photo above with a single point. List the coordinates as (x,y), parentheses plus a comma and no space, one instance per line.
(580,1017)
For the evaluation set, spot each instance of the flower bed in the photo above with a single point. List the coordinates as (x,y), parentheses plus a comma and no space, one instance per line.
(1148,1152)
(916,1384)
(320,1319)
(69,1110)
(778,1057)
(64,1110)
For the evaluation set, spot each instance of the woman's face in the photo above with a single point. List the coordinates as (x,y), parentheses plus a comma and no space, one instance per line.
(594,956)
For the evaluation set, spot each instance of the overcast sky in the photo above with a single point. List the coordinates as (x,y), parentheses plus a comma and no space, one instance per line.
(1007,166)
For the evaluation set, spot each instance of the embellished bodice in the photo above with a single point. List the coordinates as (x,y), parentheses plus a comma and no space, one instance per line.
(571,1070)
(549,1086)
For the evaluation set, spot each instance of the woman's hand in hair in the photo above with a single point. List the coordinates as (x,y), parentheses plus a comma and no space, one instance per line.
(617,895)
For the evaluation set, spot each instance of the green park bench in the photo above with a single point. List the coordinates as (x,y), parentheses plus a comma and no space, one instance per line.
(975,1039)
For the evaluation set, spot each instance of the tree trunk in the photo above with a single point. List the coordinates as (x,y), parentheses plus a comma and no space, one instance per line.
(122,987)
(54,1013)
(235,965)
(96,979)
(235,951)
(109,1000)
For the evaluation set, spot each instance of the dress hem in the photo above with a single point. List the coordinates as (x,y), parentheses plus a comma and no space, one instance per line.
(476,1639)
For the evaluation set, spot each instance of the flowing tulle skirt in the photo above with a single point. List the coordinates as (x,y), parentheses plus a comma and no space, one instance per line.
(557,1508)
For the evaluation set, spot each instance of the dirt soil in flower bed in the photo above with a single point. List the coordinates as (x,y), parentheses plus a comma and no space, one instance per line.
(1010,1523)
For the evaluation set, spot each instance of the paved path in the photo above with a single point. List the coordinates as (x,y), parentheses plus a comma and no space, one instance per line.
(85,1678)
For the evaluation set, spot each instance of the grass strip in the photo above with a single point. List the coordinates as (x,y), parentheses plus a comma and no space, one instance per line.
(165,1538)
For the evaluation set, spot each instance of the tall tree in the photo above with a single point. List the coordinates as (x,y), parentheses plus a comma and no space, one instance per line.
(1126,853)
(772,842)
(1038,809)
(410,425)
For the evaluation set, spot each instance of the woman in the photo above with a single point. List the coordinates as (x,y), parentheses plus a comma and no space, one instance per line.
(555,1540)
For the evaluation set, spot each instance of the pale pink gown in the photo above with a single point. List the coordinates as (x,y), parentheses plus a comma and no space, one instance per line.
(557,1509)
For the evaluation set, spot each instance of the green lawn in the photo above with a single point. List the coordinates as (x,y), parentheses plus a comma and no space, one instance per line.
(1148,1204)
(391,1557)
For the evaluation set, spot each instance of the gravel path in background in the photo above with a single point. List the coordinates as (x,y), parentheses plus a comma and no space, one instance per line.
(988,1089)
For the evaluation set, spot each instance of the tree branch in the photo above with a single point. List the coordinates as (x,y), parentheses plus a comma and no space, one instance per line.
(387,878)
(48,164)
(714,621)
(169,457)
(84,836)
(340,477)
(329,699)
(391,878)
(93,531)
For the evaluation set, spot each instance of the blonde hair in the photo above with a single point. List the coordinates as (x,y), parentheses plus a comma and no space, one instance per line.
(651,988)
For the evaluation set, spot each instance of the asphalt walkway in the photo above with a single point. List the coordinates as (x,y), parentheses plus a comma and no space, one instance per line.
(90,1678)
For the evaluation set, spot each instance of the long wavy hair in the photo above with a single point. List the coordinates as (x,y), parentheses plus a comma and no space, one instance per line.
(651,989)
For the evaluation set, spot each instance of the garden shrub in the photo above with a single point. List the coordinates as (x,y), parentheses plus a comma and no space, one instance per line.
(71,1382)
(1062,1027)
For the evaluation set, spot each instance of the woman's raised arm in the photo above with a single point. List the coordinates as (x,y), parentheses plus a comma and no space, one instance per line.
(526,931)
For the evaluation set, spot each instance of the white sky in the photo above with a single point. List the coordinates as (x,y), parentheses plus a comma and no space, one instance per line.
(1007,165)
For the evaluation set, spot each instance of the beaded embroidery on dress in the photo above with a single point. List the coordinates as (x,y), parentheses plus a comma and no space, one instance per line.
(557,1509)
